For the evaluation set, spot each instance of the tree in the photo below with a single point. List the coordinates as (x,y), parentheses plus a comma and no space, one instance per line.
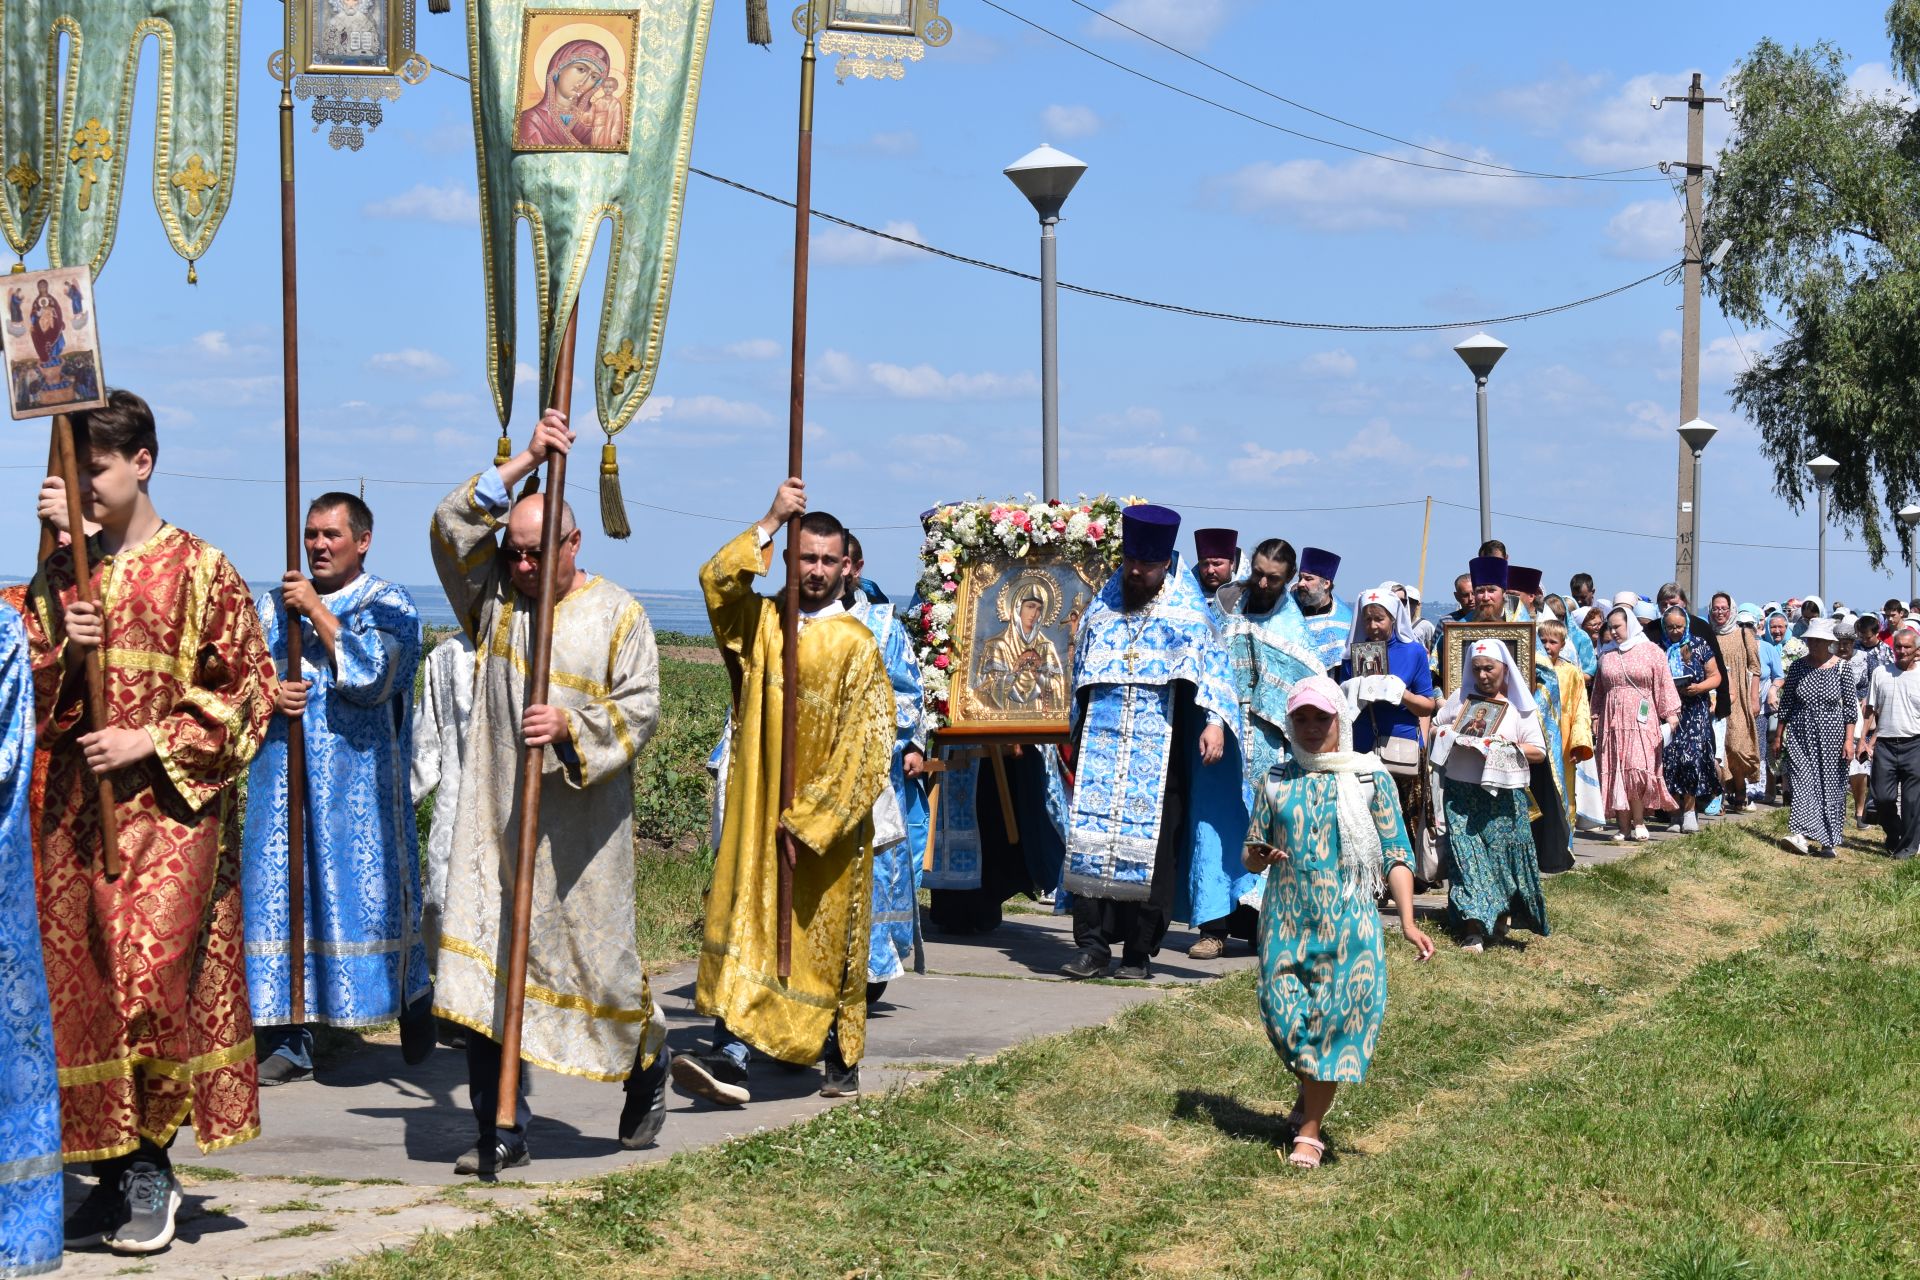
(1819,193)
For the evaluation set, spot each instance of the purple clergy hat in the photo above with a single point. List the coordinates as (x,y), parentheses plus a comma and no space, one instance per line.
(1147,532)
(1215,544)
(1488,571)
(1321,564)
(1520,578)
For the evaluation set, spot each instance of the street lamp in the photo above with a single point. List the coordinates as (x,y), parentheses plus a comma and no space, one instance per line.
(1696,434)
(1910,516)
(1046,177)
(1480,353)
(1823,468)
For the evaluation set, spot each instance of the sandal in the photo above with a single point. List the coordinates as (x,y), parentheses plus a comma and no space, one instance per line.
(1308,1159)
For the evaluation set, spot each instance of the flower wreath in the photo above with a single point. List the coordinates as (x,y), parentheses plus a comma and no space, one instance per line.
(1087,529)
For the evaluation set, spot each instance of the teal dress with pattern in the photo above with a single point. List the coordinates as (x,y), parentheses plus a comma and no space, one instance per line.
(1323,969)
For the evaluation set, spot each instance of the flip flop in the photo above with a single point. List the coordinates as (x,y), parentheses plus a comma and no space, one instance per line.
(1306,1160)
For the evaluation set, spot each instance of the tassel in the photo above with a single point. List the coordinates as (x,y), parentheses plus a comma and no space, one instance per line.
(532,484)
(193,277)
(439,6)
(503,451)
(613,504)
(759,30)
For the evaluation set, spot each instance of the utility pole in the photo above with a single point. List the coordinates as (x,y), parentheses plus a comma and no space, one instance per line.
(1686,507)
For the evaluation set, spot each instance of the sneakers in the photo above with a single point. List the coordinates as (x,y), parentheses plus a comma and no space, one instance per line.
(151,1199)
(713,1076)
(278,1068)
(645,1110)
(1689,821)
(103,1210)
(1797,843)
(837,1079)
(1085,965)
(1208,948)
(492,1157)
(1131,971)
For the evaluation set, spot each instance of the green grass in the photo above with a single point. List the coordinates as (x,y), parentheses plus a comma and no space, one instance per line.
(205,1173)
(1707,1071)
(304,1229)
(294,1206)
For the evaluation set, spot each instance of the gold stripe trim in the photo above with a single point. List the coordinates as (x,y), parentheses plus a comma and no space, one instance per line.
(545,995)
(532,1059)
(123,1068)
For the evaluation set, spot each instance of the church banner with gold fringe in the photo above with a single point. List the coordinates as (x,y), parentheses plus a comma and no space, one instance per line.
(64,176)
(583,113)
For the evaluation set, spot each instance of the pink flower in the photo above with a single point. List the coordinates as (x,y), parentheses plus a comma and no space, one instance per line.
(997,515)
(949,586)
(942,661)
(1096,531)
(1059,526)
(1021,520)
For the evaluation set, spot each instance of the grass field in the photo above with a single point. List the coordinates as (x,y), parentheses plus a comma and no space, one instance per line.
(1707,1072)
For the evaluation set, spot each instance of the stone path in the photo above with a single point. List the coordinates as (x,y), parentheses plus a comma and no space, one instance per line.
(361,1159)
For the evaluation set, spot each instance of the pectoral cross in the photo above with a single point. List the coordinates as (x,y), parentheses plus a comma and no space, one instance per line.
(196,181)
(1129,656)
(91,142)
(624,364)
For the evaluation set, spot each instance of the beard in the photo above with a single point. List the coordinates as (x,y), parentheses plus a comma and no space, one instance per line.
(1258,601)
(1312,600)
(1136,598)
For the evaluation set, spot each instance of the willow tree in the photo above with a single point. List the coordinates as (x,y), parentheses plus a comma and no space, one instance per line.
(1819,193)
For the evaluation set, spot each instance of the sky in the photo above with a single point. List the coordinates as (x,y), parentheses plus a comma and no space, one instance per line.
(924,374)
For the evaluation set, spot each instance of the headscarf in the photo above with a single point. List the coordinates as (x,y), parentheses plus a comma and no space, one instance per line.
(1679,652)
(1389,599)
(1748,615)
(1635,636)
(1518,695)
(1362,859)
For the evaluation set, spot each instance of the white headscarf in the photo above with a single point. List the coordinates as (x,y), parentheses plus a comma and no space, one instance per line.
(1635,636)
(1387,598)
(1517,693)
(1362,859)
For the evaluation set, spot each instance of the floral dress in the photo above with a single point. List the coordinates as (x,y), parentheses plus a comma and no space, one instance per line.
(1323,972)
(1687,762)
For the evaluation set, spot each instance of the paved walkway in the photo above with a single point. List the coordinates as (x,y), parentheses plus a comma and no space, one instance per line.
(362,1158)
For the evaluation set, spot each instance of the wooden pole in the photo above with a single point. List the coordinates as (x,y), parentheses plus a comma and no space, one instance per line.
(1006,794)
(796,422)
(533,759)
(1426,527)
(69,468)
(290,414)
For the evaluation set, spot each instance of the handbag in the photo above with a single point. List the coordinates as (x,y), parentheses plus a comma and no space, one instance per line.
(1401,756)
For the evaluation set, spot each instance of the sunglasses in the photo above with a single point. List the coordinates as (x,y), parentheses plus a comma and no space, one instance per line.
(532,555)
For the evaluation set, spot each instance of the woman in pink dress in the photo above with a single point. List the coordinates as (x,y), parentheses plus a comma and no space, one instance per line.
(1634,695)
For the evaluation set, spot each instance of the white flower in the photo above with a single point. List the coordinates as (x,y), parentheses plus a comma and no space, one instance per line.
(1077,525)
(942,614)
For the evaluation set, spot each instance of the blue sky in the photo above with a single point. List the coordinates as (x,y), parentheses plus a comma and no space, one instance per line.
(924,380)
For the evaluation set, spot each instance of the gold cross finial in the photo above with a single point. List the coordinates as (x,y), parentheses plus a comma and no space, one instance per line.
(91,142)
(624,364)
(23,176)
(196,181)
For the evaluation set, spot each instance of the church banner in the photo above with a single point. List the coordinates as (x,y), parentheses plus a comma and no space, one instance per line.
(64,176)
(583,114)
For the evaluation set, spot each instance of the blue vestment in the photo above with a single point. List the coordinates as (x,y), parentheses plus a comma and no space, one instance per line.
(1327,632)
(896,883)
(30,1198)
(1268,653)
(365,958)
(1126,669)
(1040,813)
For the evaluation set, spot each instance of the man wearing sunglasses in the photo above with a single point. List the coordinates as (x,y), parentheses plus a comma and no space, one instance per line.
(588,1008)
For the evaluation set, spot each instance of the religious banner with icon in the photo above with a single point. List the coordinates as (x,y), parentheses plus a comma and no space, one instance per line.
(352,56)
(1456,635)
(583,114)
(69,185)
(52,343)
(875,39)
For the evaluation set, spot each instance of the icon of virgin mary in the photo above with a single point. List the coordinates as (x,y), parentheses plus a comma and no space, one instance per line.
(581,107)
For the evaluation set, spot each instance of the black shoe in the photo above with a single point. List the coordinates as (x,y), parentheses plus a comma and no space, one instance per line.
(103,1210)
(645,1110)
(1901,855)
(838,1080)
(1085,965)
(152,1198)
(1132,971)
(713,1076)
(417,1031)
(484,1158)
(278,1068)
(874,991)
(450,1033)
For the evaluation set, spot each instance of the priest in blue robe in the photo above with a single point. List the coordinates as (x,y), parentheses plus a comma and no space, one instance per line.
(366,962)
(1216,553)
(1325,617)
(1159,809)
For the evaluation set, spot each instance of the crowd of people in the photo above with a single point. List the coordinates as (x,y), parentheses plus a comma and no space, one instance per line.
(1250,754)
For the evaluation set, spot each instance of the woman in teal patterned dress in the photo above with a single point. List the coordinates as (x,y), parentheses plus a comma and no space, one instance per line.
(1328,825)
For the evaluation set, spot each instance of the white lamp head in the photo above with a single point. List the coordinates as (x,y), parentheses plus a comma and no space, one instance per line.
(1045,177)
(1698,434)
(1823,468)
(1480,353)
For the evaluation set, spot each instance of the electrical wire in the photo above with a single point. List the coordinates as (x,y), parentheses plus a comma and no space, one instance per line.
(1295,133)
(1348,124)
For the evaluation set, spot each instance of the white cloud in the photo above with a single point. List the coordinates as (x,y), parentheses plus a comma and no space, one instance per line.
(1157,461)
(838,372)
(1873,80)
(1623,129)
(1649,420)
(746,349)
(410,360)
(1261,464)
(1337,363)
(1065,122)
(1647,231)
(711,410)
(1377,442)
(1135,417)
(213,342)
(426,203)
(845,247)
(1187,23)
(1368,193)
(895,142)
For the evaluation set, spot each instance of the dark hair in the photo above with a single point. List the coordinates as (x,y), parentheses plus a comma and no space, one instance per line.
(1494,547)
(1721,595)
(1894,604)
(1278,549)
(124,425)
(1673,590)
(359,514)
(1580,580)
(853,547)
(822,525)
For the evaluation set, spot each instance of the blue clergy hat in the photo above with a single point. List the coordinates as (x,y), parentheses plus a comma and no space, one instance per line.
(1321,564)
(1147,532)
(1488,571)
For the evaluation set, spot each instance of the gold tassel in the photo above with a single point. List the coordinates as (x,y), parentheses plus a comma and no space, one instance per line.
(503,451)
(193,277)
(613,504)
(759,30)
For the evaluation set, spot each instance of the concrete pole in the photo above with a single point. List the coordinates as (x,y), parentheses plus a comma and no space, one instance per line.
(1049,361)
(1486,475)
(1686,537)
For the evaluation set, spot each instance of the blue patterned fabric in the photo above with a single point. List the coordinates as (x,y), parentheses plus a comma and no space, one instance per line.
(956,842)
(896,879)
(1327,632)
(365,958)
(1491,867)
(1583,648)
(1125,669)
(1323,967)
(1688,758)
(30,1203)
(1268,653)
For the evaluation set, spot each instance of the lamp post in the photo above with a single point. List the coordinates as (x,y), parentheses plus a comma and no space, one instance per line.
(1045,177)
(1695,435)
(1480,353)
(1910,516)
(1823,468)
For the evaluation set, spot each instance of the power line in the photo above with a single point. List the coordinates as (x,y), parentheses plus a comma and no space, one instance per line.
(1321,326)
(1295,133)
(1507,170)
